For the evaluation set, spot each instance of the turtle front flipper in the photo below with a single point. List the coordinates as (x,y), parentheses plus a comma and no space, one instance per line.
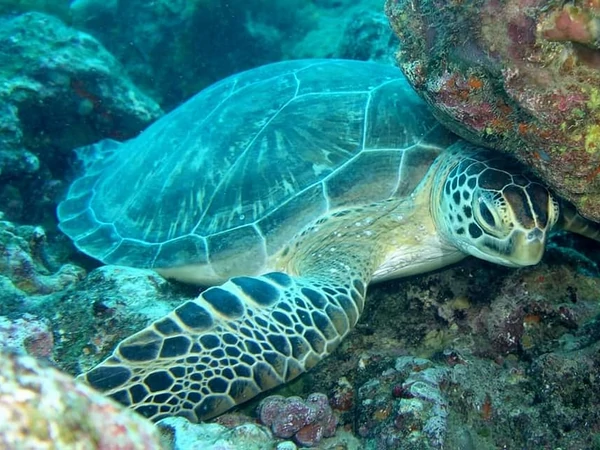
(231,343)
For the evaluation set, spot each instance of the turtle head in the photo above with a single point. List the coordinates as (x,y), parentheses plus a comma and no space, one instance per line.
(488,207)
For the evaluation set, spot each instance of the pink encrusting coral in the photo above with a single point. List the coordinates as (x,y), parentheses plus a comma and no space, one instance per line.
(574,24)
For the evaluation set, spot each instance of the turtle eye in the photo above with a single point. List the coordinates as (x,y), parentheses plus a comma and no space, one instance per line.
(486,214)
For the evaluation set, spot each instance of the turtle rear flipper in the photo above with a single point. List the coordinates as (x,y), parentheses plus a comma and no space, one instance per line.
(571,220)
(98,156)
(231,343)
(75,213)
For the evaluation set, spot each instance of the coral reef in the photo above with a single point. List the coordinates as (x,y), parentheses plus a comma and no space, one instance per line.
(404,407)
(353,30)
(477,356)
(90,313)
(368,36)
(41,408)
(237,431)
(507,352)
(52,71)
(520,76)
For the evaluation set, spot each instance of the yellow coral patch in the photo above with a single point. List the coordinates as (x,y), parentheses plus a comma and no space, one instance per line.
(594,100)
(592,139)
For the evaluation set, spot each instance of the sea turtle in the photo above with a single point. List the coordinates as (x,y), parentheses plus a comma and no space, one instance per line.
(290,186)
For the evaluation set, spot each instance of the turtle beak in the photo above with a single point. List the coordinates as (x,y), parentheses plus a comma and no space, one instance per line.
(528,247)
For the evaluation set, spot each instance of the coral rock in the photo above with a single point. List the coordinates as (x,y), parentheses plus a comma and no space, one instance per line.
(29,265)
(519,75)
(27,334)
(42,408)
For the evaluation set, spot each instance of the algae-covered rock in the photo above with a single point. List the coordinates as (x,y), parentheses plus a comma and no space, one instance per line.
(59,88)
(62,81)
(111,303)
(520,75)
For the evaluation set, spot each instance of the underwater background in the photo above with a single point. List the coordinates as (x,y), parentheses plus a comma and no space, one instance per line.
(475,356)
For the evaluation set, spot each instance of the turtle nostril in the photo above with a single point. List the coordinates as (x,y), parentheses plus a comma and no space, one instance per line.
(535,235)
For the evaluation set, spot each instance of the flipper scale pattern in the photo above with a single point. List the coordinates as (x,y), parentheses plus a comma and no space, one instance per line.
(228,345)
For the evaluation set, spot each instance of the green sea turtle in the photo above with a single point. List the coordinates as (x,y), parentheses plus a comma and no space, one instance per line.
(292,187)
